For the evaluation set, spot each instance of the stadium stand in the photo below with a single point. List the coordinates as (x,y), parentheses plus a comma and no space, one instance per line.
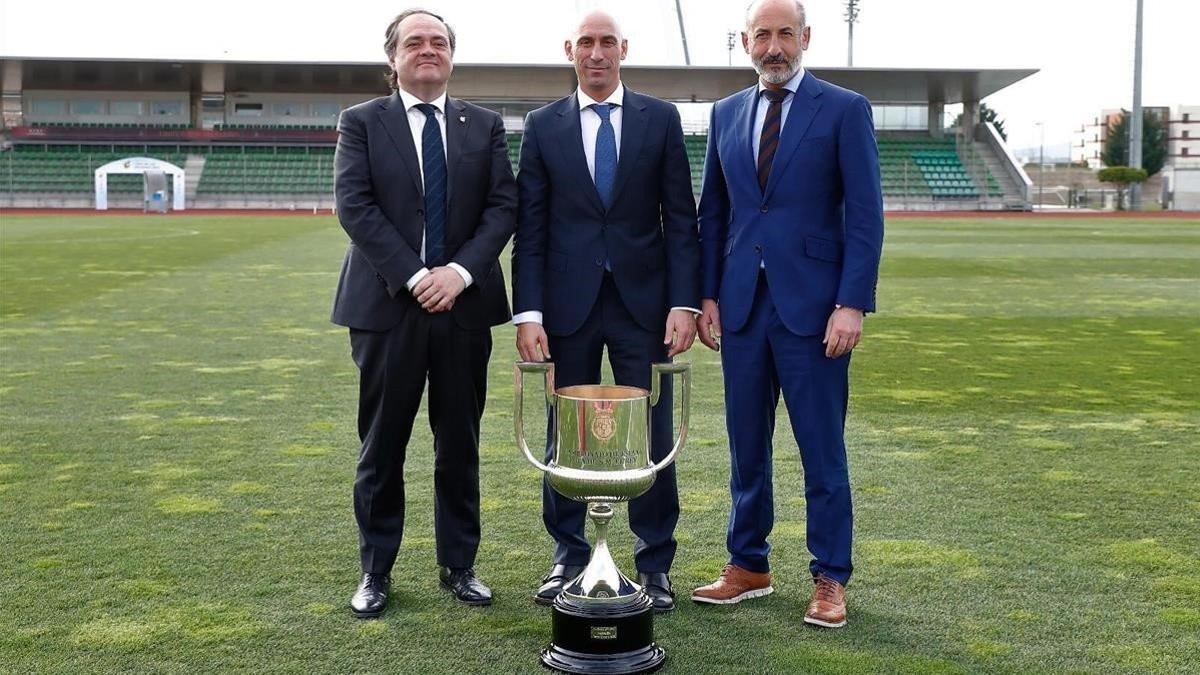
(69,168)
(262,135)
(921,168)
(267,170)
(925,168)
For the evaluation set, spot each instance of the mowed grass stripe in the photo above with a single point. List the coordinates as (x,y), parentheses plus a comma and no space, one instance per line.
(177,451)
(52,262)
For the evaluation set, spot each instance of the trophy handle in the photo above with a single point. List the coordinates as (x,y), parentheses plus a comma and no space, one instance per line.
(523,367)
(683,369)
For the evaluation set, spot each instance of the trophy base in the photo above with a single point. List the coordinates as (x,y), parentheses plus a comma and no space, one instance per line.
(606,639)
(645,660)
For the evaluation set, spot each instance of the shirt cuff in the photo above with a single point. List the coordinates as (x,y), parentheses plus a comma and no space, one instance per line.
(528,317)
(414,279)
(693,310)
(462,272)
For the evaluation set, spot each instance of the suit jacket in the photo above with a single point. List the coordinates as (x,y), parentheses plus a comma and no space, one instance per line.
(380,204)
(818,225)
(564,233)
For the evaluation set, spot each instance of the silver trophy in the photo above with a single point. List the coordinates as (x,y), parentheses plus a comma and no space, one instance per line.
(602,621)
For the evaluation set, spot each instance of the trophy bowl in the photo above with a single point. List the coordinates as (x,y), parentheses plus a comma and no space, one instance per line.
(600,454)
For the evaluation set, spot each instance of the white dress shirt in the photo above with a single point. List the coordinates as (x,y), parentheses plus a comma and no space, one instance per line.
(760,111)
(589,125)
(416,124)
(589,122)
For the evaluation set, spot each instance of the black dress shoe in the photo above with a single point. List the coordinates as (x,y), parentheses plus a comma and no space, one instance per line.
(466,586)
(371,597)
(657,585)
(553,582)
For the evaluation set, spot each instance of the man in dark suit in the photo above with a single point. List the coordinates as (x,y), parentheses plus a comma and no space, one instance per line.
(426,192)
(606,255)
(791,225)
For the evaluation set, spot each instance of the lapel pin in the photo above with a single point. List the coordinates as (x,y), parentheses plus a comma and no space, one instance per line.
(462,118)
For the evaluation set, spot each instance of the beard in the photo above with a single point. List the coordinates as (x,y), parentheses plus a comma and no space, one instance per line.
(760,67)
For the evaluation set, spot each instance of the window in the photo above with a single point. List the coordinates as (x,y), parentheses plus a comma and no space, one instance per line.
(47,107)
(288,109)
(125,108)
(915,117)
(248,109)
(1183,151)
(174,108)
(326,109)
(892,116)
(87,107)
(1186,116)
(1185,133)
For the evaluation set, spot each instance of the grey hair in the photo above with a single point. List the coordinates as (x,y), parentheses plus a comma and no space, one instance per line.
(799,10)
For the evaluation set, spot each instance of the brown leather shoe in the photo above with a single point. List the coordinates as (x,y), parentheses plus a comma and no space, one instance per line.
(828,605)
(733,586)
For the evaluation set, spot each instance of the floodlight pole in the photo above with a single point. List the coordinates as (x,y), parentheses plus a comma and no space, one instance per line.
(1135,118)
(687,58)
(851,18)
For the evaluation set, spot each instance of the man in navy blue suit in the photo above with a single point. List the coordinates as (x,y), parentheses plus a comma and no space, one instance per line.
(606,255)
(791,228)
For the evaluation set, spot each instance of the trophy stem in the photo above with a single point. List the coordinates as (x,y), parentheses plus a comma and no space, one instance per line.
(601,513)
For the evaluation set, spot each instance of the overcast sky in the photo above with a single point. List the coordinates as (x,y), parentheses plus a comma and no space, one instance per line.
(1083,48)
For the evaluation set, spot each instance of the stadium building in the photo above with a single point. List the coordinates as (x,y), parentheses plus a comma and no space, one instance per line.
(83,133)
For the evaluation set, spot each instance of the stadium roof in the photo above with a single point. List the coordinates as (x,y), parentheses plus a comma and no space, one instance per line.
(708,83)
(526,82)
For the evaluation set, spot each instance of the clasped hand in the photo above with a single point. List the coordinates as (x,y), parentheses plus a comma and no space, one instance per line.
(437,290)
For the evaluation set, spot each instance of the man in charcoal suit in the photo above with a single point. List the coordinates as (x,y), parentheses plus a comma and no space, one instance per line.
(426,192)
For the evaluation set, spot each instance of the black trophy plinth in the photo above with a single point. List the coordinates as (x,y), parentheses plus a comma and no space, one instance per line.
(609,639)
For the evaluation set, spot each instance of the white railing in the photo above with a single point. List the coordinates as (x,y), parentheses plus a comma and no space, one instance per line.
(992,138)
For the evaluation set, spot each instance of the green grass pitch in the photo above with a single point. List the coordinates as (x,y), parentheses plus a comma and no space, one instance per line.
(177,449)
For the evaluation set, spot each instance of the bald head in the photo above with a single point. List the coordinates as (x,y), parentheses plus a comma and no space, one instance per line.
(794,8)
(597,49)
(597,21)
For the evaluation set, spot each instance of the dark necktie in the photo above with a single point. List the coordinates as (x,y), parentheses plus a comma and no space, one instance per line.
(768,142)
(433,160)
(606,154)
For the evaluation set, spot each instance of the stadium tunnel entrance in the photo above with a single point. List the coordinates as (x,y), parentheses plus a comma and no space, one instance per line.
(142,166)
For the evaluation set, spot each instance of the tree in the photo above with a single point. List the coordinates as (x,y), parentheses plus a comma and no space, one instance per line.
(986,114)
(1154,144)
(1122,177)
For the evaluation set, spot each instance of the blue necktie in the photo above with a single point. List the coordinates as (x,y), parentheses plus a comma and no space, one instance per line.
(433,160)
(606,154)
